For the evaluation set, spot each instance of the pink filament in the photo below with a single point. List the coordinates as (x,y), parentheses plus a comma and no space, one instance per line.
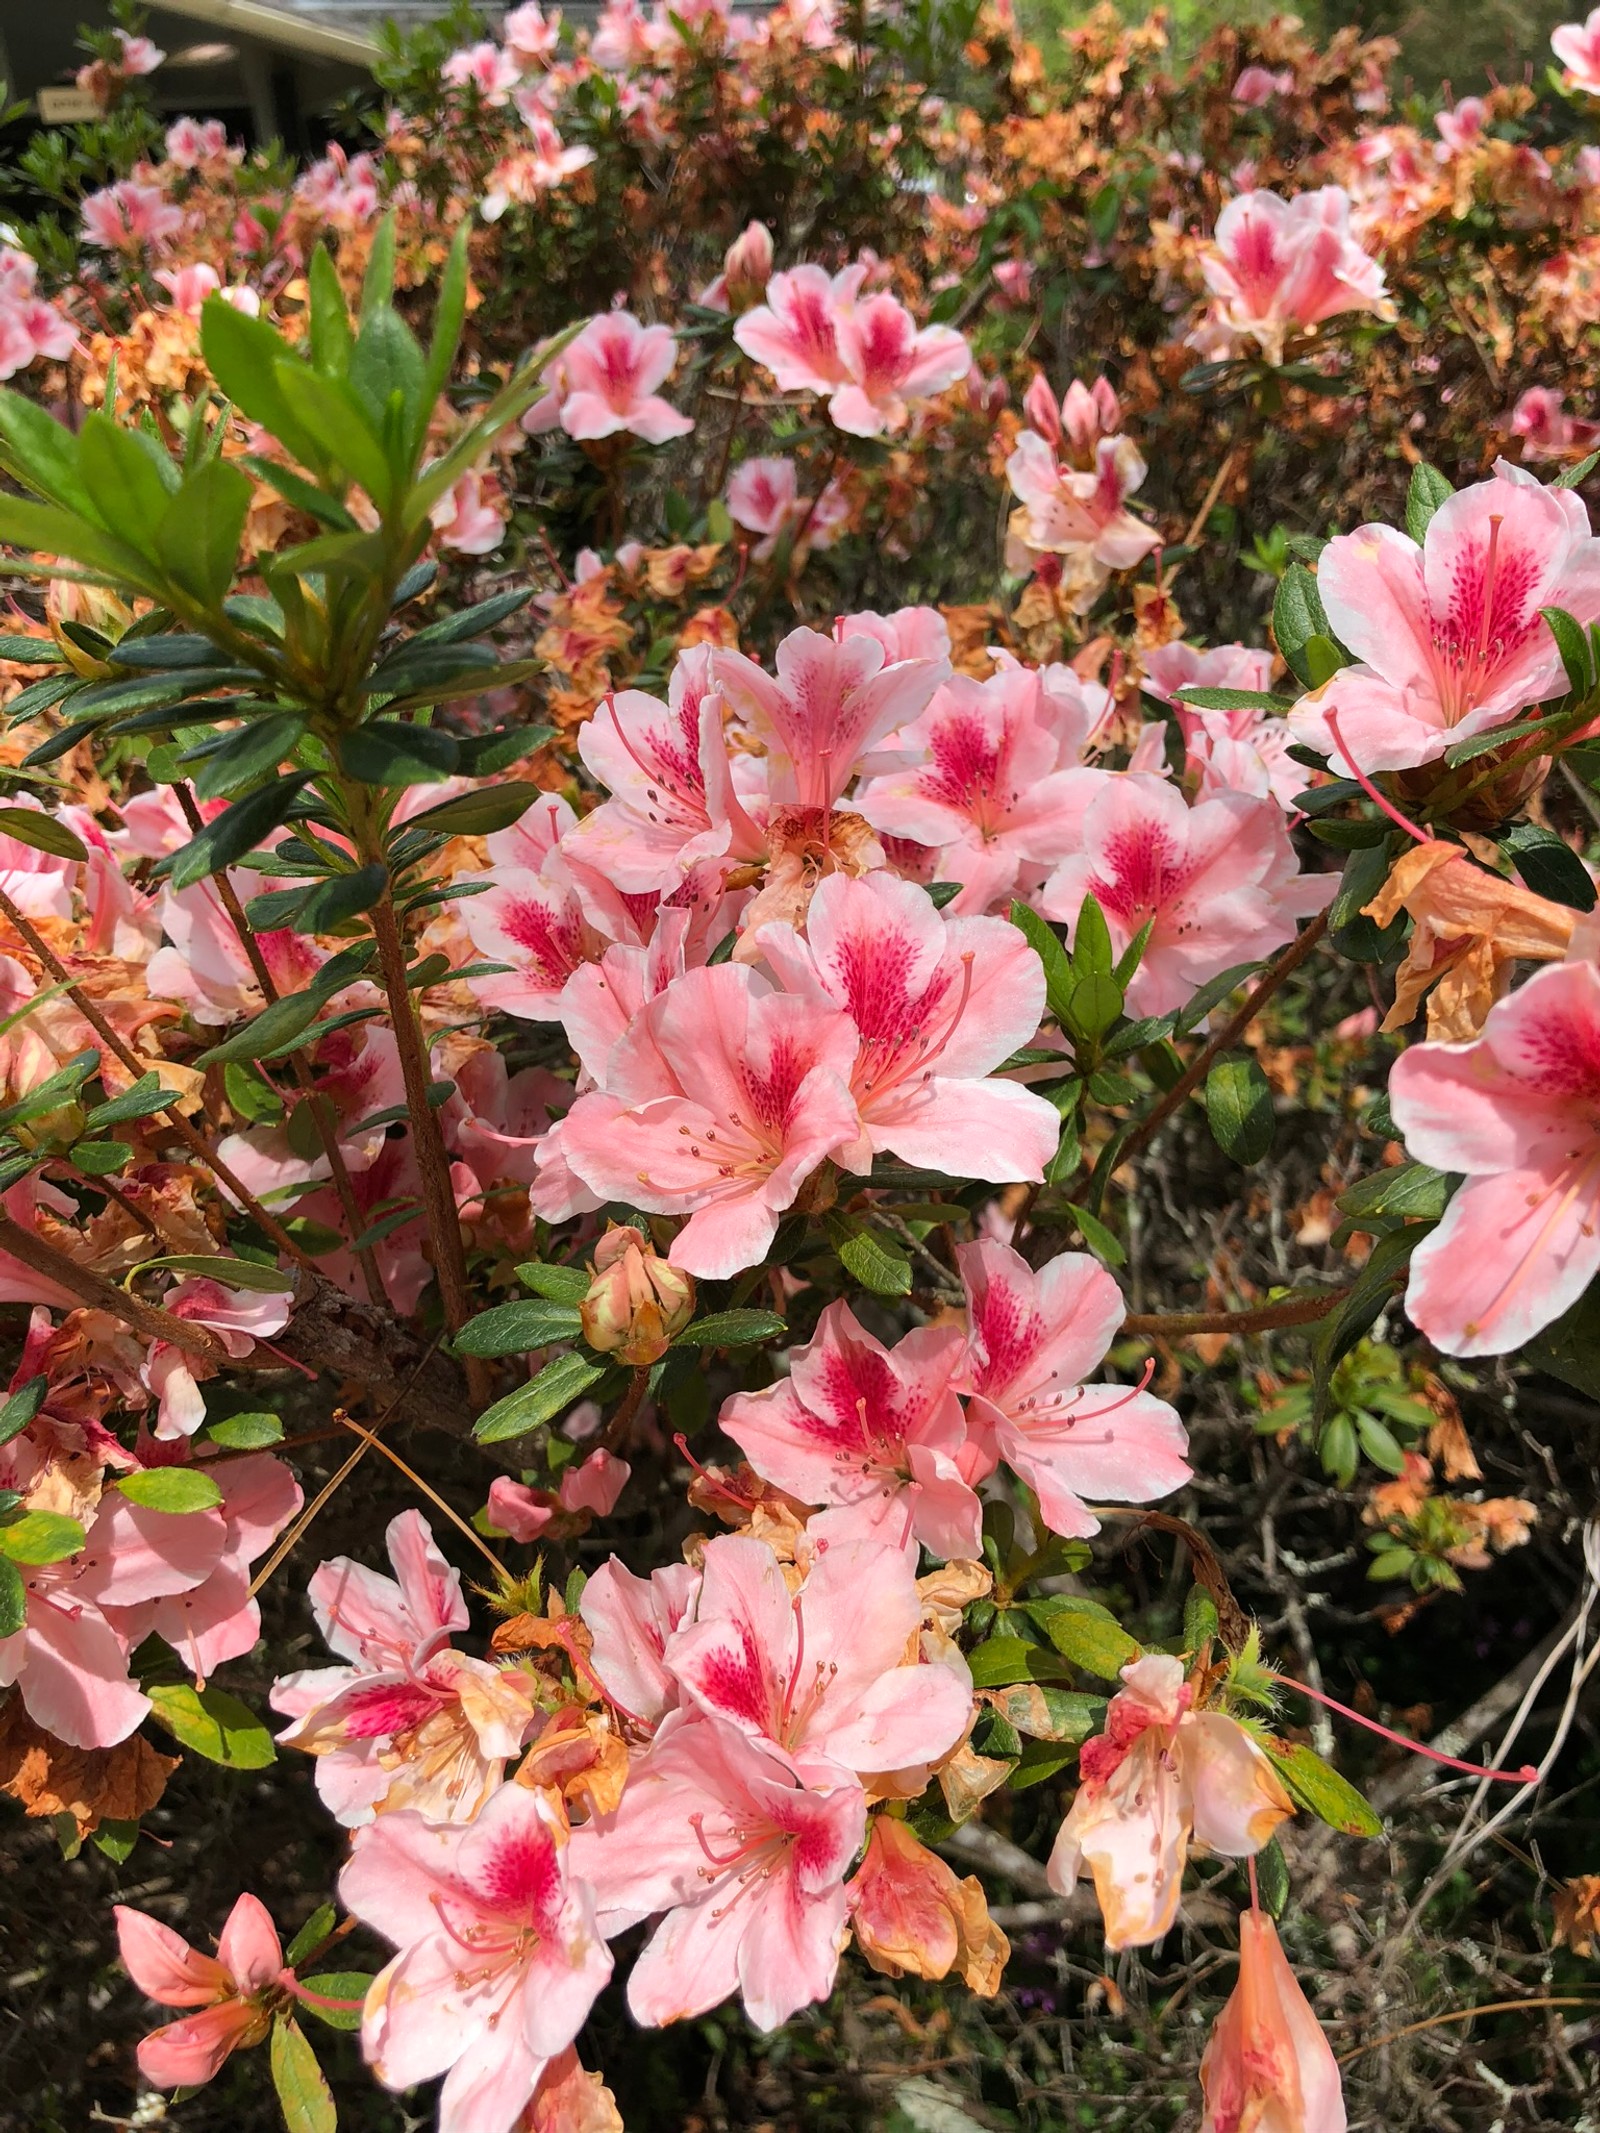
(1527,1775)
(1401,821)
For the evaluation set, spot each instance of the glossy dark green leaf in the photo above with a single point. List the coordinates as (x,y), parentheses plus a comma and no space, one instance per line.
(518,1328)
(228,837)
(1427,492)
(732,1329)
(1239,1109)
(556,1388)
(42,832)
(386,752)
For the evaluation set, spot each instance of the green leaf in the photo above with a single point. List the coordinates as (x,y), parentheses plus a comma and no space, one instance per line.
(1085,1633)
(1272,1878)
(561,1284)
(1101,1241)
(41,832)
(100,1159)
(130,480)
(13,1600)
(1091,941)
(229,762)
(386,363)
(1093,1005)
(45,452)
(1427,492)
(1321,1791)
(1235,700)
(377,285)
(1201,1624)
(1477,744)
(197,538)
(22,1406)
(246,1433)
(1002,1661)
(1049,1714)
(171,1488)
(1352,932)
(244,355)
(268,1032)
(1058,972)
(214,1724)
(449,317)
(1572,642)
(869,1257)
(1570,477)
(1239,1109)
(388,752)
(1414,1189)
(311,1936)
(1549,866)
(544,1397)
(304,2097)
(1371,1292)
(337,1985)
(334,416)
(325,906)
(233,834)
(144,1097)
(1569,1347)
(232,1273)
(517,1328)
(39,1537)
(1298,615)
(47,530)
(331,339)
(480,813)
(732,1329)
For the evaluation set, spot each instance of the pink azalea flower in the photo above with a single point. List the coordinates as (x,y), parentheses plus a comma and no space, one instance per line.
(746,271)
(822,1673)
(1267,2062)
(1070,512)
(609,379)
(856,1424)
(1259,85)
(1234,751)
(1033,1339)
(527,173)
(189,286)
(717,1830)
(408,1723)
(239,1318)
(1461,128)
(630,1619)
(1577,46)
(666,765)
(1449,635)
(1278,267)
(29,327)
(471,517)
(1084,415)
(1160,1778)
(907,633)
(531,36)
(191,142)
(983,787)
(128,216)
(1515,1110)
(499,1956)
(1547,431)
(139,55)
(796,333)
(938,1003)
(1219,879)
(764,497)
(831,702)
(888,362)
(226,1989)
(719,1103)
(484,68)
(592,1486)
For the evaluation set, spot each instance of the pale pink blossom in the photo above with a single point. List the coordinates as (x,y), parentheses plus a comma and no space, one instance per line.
(531,36)
(1547,431)
(191,142)
(1462,127)
(1245,750)
(746,271)
(128,216)
(796,333)
(906,633)
(937,1003)
(984,787)
(823,1673)
(227,1990)
(499,1955)
(527,173)
(136,55)
(719,1103)
(717,1831)
(1014,280)
(1219,880)
(832,701)
(238,1317)
(1577,46)
(1162,1777)
(471,517)
(1267,2063)
(889,362)
(608,380)
(1084,414)
(622,39)
(1258,85)
(1082,513)
(764,497)
(593,1485)
(1279,267)
(484,68)
(630,1619)
(1518,1111)
(407,1722)
(189,286)
(1033,1339)
(874,1429)
(1449,635)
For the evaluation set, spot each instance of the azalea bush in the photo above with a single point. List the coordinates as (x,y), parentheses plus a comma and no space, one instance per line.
(690,749)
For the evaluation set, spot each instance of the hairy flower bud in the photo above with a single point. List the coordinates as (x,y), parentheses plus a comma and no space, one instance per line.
(636,1303)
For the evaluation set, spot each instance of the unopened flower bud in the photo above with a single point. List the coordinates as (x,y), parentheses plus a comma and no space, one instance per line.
(747,267)
(637,1303)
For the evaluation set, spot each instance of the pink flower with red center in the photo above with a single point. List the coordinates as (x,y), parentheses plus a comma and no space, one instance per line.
(832,700)
(875,1430)
(832,1674)
(238,1317)
(888,362)
(1518,1111)
(796,333)
(719,1103)
(630,1619)
(1279,267)
(937,1004)
(407,1723)
(531,36)
(1259,85)
(1033,1339)
(483,68)
(1219,881)
(1243,750)
(1577,46)
(984,788)
(191,142)
(1161,1778)
(1449,634)
(528,173)
(1462,127)
(764,497)
(608,379)
(499,1961)
(128,217)
(747,1861)
(227,1990)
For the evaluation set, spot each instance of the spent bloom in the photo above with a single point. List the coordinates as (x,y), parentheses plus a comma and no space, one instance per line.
(1267,2063)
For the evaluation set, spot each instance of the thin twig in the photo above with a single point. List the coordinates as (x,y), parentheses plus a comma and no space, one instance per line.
(1263,1318)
